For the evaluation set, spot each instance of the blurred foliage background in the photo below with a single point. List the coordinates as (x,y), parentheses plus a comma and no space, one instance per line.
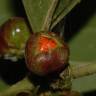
(80,33)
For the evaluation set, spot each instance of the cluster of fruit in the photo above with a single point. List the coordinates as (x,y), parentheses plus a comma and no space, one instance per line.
(44,52)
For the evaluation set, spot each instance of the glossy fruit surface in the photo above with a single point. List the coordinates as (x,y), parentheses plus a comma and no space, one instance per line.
(46,53)
(13,36)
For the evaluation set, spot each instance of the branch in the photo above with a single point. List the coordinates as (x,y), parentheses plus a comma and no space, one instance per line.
(83,69)
(22,86)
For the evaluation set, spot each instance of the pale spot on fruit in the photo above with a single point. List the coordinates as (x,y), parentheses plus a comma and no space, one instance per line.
(18,30)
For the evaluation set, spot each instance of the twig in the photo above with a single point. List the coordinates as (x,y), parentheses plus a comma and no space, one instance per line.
(21,86)
(83,69)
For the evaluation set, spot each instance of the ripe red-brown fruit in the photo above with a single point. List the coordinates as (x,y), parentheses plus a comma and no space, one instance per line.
(46,53)
(13,36)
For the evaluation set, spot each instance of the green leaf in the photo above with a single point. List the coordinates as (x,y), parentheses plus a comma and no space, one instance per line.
(83,44)
(39,13)
(63,8)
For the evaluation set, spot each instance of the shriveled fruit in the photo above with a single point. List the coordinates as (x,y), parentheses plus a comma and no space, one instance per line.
(46,53)
(13,36)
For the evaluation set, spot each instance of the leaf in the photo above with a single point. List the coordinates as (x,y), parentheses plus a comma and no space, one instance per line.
(39,13)
(63,8)
(62,4)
